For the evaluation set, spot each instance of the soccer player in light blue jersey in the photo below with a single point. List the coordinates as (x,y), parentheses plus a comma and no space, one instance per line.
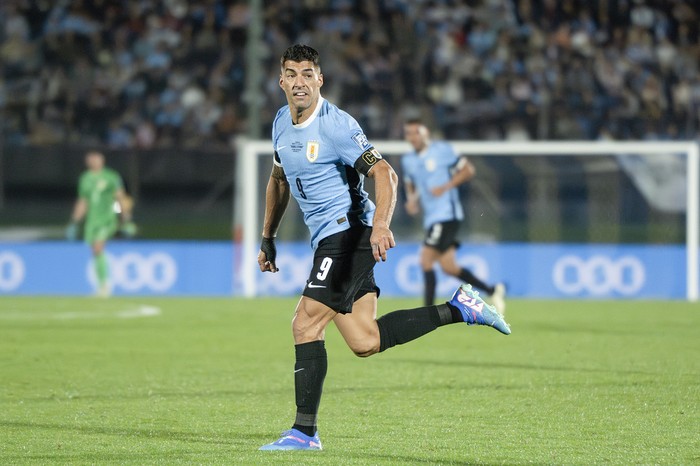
(321,157)
(432,173)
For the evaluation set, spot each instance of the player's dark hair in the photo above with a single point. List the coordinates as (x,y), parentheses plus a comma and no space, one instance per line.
(300,53)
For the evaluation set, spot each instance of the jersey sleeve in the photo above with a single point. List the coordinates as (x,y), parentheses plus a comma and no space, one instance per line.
(275,137)
(351,144)
(117,181)
(83,191)
(449,153)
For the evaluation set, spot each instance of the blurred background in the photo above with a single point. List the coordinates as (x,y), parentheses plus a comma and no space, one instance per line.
(167,88)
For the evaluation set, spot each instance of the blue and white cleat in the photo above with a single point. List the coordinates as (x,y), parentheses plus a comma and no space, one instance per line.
(475,311)
(292,439)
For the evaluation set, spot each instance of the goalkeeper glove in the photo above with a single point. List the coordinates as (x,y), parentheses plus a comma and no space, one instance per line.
(269,249)
(72,231)
(129,229)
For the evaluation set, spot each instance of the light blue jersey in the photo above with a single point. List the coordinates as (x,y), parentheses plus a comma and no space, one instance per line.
(318,157)
(433,167)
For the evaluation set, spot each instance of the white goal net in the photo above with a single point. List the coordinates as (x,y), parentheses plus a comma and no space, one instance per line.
(593,193)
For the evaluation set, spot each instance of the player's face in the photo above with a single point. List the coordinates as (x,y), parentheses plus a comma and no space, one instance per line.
(94,161)
(417,135)
(301,82)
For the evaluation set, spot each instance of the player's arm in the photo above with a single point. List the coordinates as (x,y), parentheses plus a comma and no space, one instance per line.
(79,210)
(465,172)
(125,204)
(126,207)
(276,199)
(385,186)
(412,206)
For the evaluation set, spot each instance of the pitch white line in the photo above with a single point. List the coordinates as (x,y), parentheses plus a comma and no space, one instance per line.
(129,313)
(141,311)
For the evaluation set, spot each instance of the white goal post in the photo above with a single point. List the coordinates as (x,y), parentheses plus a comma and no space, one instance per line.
(249,198)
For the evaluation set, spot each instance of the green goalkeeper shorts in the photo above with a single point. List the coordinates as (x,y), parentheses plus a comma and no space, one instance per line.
(99,231)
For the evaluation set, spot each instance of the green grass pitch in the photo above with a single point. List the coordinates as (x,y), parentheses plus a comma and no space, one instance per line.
(207,381)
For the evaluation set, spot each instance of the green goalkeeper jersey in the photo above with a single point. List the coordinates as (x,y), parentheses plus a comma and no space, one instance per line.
(99,191)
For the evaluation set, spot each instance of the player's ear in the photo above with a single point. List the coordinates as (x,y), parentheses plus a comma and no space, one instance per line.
(320,79)
(281,81)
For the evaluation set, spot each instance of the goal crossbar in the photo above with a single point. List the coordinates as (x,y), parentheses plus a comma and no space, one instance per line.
(249,153)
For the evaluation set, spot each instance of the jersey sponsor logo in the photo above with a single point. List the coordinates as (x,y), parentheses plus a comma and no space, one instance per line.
(279,148)
(312,148)
(361,140)
(12,271)
(430,165)
(313,285)
(371,156)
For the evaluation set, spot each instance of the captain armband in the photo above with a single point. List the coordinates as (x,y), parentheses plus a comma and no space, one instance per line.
(367,160)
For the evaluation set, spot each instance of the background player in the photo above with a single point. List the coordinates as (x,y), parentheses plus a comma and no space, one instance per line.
(99,188)
(432,174)
(321,157)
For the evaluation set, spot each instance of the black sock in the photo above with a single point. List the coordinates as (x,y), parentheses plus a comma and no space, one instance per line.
(468,277)
(428,287)
(309,373)
(399,327)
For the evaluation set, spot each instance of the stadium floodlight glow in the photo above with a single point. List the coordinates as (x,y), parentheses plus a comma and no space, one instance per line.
(249,200)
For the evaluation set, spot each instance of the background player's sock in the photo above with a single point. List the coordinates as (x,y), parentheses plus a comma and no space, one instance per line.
(101,268)
(468,277)
(309,373)
(400,327)
(429,287)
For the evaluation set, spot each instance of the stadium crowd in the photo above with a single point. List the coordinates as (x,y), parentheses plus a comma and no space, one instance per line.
(160,73)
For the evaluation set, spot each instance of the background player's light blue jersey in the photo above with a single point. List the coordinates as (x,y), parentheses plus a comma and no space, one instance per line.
(434,167)
(318,158)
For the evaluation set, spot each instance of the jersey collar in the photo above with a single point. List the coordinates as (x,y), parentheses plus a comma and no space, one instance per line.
(313,115)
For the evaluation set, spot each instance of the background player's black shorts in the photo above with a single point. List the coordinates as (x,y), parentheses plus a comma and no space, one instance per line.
(343,269)
(442,236)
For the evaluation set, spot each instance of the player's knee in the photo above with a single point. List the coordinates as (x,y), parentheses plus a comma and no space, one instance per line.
(426,265)
(308,325)
(306,331)
(366,347)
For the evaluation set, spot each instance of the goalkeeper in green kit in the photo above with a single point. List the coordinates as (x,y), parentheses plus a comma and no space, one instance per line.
(101,197)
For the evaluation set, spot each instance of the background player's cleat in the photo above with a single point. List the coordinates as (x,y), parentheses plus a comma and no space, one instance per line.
(104,291)
(475,311)
(292,439)
(498,298)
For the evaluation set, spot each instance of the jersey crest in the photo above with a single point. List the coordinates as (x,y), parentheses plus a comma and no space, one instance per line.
(312,148)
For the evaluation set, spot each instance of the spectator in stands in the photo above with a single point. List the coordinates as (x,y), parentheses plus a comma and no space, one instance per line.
(566,69)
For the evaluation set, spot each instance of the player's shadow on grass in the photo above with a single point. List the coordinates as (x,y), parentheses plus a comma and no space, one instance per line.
(162,395)
(160,434)
(234,440)
(496,365)
(404,459)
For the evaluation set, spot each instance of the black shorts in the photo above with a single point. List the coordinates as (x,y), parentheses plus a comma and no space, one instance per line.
(343,269)
(442,236)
